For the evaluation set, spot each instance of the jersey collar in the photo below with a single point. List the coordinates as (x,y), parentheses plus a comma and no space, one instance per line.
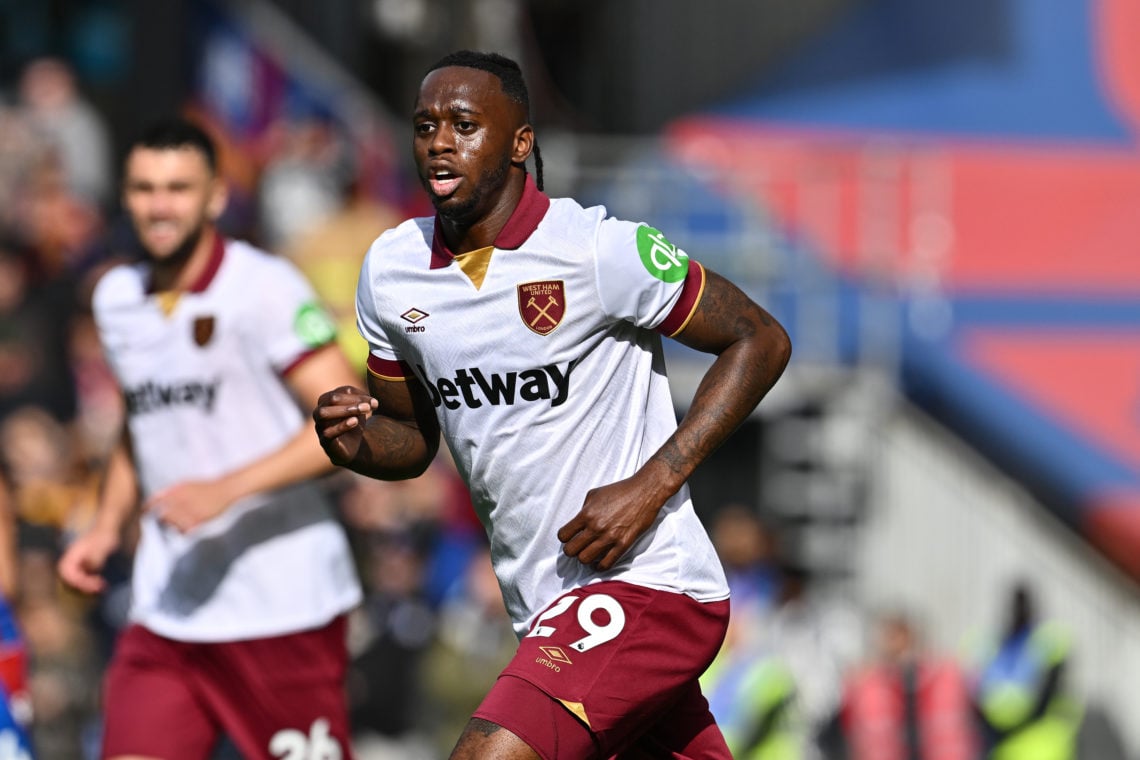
(217,253)
(523,222)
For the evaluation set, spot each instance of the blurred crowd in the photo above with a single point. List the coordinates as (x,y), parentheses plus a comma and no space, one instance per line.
(806,673)
(803,674)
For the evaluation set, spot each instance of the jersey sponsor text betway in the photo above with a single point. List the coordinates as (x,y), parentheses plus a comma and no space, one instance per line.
(473,386)
(152,397)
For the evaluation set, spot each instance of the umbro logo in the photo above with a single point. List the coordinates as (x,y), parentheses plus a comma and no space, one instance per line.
(556,654)
(554,660)
(415,316)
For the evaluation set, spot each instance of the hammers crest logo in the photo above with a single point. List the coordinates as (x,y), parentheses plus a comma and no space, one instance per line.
(542,305)
(203,330)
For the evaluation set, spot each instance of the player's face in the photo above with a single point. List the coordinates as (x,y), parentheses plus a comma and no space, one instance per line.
(170,195)
(467,133)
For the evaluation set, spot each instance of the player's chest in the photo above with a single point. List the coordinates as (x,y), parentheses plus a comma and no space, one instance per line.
(156,340)
(529,311)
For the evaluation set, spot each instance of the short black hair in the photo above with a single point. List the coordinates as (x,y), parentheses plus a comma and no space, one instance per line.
(177,132)
(510,77)
(508,72)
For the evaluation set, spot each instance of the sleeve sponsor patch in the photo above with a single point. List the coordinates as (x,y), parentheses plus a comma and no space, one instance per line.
(661,258)
(313,325)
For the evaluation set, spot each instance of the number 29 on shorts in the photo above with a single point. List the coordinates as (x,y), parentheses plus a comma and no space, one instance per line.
(596,634)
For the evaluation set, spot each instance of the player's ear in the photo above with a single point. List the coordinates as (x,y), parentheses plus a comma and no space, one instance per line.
(524,144)
(219,196)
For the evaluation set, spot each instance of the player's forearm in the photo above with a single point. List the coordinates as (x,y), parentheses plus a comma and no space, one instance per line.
(392,450)
(731,389)
(300,459)
(118,492)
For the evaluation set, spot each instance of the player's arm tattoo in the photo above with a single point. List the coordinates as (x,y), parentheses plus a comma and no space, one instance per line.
(401,440)
(391,448)
(482,727)
(752,350)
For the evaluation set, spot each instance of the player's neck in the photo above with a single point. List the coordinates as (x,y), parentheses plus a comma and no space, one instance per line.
(181,271)
(463,235)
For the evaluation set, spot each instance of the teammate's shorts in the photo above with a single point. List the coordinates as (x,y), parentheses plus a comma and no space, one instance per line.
(611,669)
(275,697)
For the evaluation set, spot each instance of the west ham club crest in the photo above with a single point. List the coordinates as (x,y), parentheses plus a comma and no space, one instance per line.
(203,330)
(542,305)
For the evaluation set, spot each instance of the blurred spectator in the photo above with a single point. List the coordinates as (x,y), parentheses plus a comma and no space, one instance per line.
(391,507)
(1026,708)
(21,148)
(906,703)
(817,636)
(49,484)
(49,233)
(475,642)
(302,183)
(751,692)
(64,666)
(15,701)
(60,228)
(435,507)
(458,538)
(418,543)
(34,324)
(746,546)
(99,402)
(330,252)
(49,94)
(389,635)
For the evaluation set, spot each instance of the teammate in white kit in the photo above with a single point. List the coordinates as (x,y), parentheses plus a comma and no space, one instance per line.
(242,575)
(527,329)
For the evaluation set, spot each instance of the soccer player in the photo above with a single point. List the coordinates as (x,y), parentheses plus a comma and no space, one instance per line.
(527,329)
(242,575)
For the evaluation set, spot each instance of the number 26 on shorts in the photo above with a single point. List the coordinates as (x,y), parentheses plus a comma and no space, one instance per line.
(595,634)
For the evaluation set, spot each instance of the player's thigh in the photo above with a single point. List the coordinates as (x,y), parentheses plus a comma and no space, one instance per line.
(484,740)
(151,709)
(519,721)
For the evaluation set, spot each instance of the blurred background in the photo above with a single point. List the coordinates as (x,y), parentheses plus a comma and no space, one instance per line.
(932,525)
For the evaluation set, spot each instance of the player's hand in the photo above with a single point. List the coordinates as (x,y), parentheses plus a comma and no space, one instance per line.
(81,566)
(611,519)
(188,505)
(339,419)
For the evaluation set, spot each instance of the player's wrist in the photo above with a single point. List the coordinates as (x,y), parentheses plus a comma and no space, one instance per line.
(107,534)
(233,487)
(363,462)
(662,478)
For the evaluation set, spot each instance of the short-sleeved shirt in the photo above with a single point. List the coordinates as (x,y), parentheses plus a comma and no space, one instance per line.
(543,357)
(202,373)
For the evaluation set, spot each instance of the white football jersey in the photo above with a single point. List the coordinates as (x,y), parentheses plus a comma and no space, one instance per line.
(202,377)
(544,360)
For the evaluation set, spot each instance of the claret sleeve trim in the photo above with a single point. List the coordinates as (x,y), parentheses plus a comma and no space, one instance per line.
(389,369)
(687,303)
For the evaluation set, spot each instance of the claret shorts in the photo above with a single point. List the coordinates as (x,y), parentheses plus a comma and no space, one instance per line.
(275,697)
(611,669)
